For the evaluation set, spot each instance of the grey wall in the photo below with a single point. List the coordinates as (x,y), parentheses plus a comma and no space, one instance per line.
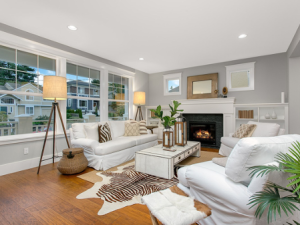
(15,152)
(271,78)
(141,83)
(294,48)
(294,95)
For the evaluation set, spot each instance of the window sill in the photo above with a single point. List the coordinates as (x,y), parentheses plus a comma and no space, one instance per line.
(22,138)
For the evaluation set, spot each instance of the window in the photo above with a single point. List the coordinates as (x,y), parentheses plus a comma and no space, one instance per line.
(240,77)
(22,71)
(29,110)
(83,85)
(7,100)
(19,69)
(172,84)
(118,90)
(28,97)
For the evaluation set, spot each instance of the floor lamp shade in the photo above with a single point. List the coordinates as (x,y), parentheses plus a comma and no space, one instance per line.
(55,88)
(139,98)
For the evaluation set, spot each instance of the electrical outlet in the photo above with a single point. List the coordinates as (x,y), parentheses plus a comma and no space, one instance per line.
(26,151)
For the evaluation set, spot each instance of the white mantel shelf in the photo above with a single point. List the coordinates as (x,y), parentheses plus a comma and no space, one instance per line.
(207,101)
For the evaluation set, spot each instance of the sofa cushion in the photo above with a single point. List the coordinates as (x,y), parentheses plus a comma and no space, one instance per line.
(91,131)
(79,131)
(116,145)
(229,141)
(117,128)
(142,139)
(220,161)
(253,151)
(265,129)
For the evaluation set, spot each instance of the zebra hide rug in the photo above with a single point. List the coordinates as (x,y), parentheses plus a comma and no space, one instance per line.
(124,187)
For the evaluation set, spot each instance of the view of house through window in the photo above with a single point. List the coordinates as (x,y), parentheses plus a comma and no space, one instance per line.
(118,97)
(23,72)
(83,104)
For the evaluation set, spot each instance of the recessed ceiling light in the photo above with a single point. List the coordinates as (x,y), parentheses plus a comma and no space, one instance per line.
(243,36)
(71,27)
(141,59)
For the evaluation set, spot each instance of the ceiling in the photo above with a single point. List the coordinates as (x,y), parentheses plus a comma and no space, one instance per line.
(168,34)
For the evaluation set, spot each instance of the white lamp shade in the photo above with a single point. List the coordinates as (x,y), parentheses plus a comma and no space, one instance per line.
(55,87)
(139,98)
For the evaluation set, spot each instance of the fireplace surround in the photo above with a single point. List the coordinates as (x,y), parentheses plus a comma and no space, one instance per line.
(205,128)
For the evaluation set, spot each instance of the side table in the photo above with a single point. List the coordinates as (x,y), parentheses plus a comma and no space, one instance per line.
(151,128)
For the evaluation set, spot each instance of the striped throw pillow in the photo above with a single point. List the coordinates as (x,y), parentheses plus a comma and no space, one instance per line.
(104,133)
(142,124)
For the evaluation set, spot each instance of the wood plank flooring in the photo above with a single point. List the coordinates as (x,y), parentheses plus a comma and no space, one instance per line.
(50,198)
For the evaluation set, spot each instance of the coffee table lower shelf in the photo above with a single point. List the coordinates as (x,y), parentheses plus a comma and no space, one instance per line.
(157,162)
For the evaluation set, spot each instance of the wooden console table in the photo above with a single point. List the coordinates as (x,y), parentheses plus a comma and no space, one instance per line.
(157,162)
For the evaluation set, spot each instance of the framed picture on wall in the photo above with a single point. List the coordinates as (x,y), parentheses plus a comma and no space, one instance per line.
(240,77)
(202,86)
(172,84)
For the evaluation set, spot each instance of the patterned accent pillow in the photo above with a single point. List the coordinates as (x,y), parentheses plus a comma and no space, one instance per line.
(245,130)
(143,129)
(132,129)
(142,124)
(104,133)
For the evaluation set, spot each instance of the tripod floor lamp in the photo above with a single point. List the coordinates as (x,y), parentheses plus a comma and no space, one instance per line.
(54,88)
(139,99)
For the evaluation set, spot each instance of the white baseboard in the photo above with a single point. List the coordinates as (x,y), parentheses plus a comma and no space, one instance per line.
(25,164)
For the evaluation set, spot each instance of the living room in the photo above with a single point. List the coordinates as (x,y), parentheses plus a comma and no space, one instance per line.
(73,75)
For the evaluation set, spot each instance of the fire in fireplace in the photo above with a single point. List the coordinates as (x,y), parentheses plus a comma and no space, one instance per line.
(205,132)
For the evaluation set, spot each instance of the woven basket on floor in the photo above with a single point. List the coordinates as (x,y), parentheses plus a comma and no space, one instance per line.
(72,163)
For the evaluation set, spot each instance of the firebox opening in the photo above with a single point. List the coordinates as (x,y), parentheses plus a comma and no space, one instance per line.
(203,131)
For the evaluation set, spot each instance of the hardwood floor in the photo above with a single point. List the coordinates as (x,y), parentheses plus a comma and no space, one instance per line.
(50,198)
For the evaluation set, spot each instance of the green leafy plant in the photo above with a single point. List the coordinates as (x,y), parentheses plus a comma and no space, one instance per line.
(269,199)
(167,121)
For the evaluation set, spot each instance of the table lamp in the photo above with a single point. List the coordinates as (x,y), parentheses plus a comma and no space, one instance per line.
(139,99)
(54,88)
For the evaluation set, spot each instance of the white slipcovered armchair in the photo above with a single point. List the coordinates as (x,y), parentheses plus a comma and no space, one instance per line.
(226,190)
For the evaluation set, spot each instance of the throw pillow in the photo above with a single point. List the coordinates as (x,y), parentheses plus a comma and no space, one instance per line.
(245,130)
(91,132)
(220,161)
(143,129)
(142,124)
(132,129)
(104,133)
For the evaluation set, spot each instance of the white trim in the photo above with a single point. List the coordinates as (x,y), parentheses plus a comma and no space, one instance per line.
(25,164)
(30,137)
(238,68)
(174,76)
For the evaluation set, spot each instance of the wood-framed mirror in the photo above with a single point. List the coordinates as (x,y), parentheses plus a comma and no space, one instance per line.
(202,86)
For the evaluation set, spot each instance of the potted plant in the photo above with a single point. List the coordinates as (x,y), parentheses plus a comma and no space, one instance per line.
(269,199)
(167,121)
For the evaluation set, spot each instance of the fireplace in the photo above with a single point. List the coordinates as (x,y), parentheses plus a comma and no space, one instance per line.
(203,132)
(205,128)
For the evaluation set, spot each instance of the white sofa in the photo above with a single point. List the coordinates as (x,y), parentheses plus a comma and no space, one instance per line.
(262,130)
(102,156)
(226,190)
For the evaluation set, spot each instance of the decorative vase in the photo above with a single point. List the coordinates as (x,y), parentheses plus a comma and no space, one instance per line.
(274,115)
(267,116)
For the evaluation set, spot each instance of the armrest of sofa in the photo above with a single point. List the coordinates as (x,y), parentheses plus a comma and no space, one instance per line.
(88,145)
(219,188)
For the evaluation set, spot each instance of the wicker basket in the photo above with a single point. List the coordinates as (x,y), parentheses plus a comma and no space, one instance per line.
(73,161)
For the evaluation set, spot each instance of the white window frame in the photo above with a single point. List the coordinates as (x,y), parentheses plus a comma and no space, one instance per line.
(239,68)
(7,103)
(30,96)
(174,76)
(29,106)
(69,102)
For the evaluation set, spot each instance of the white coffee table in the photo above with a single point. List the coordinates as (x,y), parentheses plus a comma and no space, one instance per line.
(157,162)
